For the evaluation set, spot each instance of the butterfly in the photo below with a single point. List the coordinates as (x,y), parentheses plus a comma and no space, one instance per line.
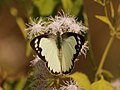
(58,51)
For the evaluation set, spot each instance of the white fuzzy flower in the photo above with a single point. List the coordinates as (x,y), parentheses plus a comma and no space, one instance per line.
(34,61)
(60,23)
(53,27)
(35,28)
(82,28)
(84,49)
(65,23)
(75,28)
(54,88)
(116,84)
(70,85)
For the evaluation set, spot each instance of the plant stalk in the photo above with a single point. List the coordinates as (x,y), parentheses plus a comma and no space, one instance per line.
(104,56)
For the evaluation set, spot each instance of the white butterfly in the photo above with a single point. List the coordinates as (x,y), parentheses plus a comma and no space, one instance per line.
(58,51)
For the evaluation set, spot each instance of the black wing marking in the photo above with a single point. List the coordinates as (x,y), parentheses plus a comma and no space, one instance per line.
(35,45)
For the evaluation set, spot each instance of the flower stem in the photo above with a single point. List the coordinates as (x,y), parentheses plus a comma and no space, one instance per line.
(56,81)
(104,56)
(92,60)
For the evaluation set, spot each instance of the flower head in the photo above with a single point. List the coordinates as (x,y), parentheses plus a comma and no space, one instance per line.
(65,23)
(70,85)
(41,78)
(60,23)
(116,84)
(35,28)
(34,61)
(84,49)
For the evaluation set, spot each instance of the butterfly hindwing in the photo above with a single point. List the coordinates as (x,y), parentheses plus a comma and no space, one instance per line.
(71,46)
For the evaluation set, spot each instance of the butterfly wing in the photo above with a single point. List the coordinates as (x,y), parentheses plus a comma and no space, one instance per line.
(71,46)
(47,50)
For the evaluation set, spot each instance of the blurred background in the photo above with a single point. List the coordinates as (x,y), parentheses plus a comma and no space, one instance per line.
(15,52)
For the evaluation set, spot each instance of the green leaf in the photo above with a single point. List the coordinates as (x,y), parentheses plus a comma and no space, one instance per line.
(112,9)
(20,84)
(67,5)
(101,85)
(6,86)
(20,22)
(81,80)
(118,35)
(103,19)
(72,7)
(29,80)
(9,85)
(45,7)
(77,4)
(28,49)
(13,11)
(107,75)
(118,9)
